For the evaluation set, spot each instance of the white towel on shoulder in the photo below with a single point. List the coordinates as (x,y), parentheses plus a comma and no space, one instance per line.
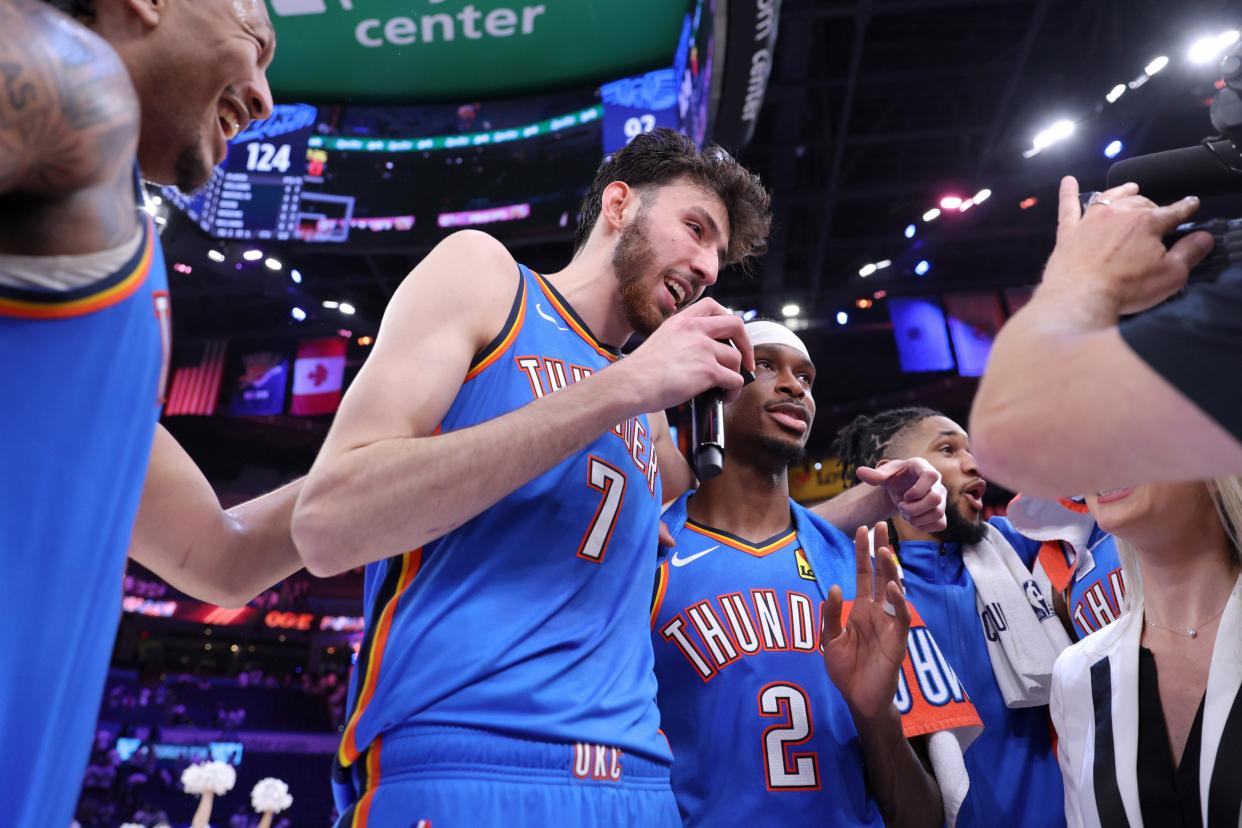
(1023,633)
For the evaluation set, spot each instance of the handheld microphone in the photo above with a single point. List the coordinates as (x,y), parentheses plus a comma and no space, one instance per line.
(707,434)
(707,430)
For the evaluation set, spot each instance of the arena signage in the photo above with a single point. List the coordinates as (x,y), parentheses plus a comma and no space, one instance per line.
(749,57)
(288,620)
(342,623)
(416,50)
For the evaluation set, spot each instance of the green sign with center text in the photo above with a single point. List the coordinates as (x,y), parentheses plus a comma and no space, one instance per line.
(425,50)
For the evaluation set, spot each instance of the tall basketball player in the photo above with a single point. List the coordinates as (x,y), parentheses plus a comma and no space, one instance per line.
(494,467)
(84,339)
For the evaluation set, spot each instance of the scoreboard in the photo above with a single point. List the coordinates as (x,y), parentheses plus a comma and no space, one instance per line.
(240,205)
(366,174)
(257,192)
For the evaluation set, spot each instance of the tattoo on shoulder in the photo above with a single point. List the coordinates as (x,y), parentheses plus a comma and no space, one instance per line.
(68,112)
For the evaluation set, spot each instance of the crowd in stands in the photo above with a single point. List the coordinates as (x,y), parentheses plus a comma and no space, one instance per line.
(141,788)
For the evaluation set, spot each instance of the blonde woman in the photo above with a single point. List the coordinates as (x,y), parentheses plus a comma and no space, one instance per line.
(1147,710)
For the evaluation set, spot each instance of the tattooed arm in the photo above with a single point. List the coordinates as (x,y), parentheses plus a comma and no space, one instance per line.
(68,136)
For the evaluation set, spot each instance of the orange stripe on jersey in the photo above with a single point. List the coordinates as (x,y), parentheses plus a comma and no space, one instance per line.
(117,290)
(1052,557)
(661,587)
(362,813)
(924,716)
(739,544)
(573,322)
(493,353)
(349,751)
(1074,506)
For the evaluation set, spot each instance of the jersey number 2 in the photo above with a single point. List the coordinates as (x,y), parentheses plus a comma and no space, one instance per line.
(800,771)
(610,483)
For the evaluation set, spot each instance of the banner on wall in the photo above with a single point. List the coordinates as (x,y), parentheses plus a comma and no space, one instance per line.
(808,484)
(318,376)
(975,318)
(258,384)
(404,50)
(749,55)
(922,335)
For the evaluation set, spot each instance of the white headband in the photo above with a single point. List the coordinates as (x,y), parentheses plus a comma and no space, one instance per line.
(764,332)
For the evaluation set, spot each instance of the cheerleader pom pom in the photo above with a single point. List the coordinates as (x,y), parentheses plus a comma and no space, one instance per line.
(270,796)
(209,777)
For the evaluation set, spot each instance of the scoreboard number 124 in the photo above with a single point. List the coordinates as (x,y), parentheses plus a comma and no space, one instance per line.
(265,158)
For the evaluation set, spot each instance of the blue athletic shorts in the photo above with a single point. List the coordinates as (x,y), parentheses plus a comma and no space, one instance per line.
(449,777)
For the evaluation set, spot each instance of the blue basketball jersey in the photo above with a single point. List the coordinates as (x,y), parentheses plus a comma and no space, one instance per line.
(529,619)
(760,734)
(1014,778)
(1098,590)
(1079,558)
(82,375)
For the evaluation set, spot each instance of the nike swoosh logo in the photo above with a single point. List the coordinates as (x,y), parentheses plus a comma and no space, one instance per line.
(677,561)
(551,319)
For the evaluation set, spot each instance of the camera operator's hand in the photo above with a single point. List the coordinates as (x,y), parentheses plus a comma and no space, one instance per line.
(1113,252)
(687,355)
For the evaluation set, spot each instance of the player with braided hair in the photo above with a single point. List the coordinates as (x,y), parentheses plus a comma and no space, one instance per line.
(1012,767)
(865,441)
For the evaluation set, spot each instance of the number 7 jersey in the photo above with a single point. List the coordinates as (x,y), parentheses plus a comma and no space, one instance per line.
(530,619)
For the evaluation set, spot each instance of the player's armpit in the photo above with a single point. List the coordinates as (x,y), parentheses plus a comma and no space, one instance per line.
(675,473)
(68,134)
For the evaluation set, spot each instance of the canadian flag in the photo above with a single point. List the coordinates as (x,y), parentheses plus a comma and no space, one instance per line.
(318,374)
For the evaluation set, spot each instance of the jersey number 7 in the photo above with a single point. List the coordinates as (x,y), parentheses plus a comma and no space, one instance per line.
(610,483)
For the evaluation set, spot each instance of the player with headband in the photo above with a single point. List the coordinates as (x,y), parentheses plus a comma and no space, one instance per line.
(753,588)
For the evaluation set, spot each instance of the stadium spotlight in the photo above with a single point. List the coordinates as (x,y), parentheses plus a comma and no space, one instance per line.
(1057,132)
(1156,65)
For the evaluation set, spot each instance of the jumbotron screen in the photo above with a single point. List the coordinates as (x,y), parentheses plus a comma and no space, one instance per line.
(381,176)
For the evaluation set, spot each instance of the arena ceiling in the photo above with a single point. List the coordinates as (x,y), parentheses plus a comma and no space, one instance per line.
(875,110)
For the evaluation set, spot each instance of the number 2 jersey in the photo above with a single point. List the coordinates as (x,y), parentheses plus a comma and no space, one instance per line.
(530,619)
(760,735)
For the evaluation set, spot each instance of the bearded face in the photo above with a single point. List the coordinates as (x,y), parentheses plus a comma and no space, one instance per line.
(634,261)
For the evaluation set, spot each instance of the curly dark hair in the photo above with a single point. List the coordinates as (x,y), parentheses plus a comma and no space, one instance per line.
(867,440)
(664,155)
